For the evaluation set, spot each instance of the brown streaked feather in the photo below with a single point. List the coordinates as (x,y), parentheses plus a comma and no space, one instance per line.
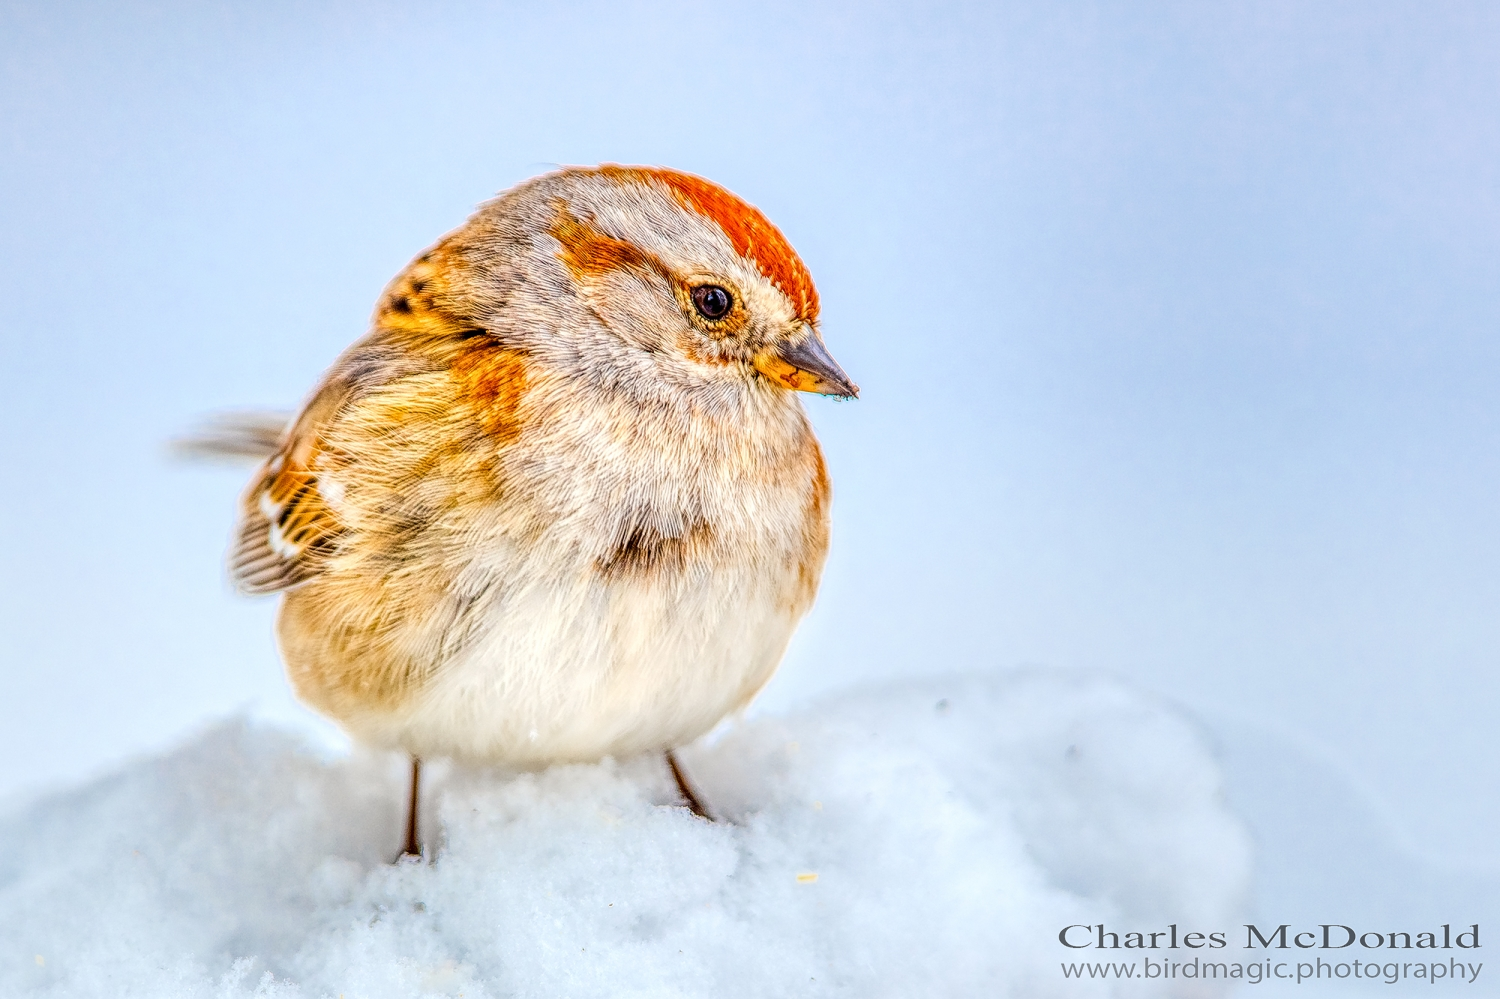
(373,619)
(378,408)
(420,304)
(286,525)
(491,379)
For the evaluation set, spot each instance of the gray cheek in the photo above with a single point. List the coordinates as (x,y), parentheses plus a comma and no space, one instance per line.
(629,306)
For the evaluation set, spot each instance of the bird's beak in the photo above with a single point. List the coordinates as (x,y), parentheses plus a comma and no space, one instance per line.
(806,366)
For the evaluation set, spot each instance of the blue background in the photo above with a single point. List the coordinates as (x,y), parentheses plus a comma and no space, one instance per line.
(1176,324)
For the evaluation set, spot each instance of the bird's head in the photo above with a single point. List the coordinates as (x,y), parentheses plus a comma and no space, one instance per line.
(660,270)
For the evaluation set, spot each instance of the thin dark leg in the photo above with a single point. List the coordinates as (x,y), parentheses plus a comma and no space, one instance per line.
(413,845)
(692,799)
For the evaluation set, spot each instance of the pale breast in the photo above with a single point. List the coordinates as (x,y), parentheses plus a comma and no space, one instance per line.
(636,578)
(592,666)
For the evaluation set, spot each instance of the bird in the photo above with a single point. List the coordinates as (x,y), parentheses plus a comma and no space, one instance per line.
(562,501)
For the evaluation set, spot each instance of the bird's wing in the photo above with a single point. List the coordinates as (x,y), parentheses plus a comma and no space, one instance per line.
(287,526)
(398,434)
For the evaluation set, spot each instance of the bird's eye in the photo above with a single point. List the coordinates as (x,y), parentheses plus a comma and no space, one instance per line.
(712,302)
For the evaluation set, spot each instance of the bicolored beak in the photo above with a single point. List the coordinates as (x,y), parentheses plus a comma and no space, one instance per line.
(806,366)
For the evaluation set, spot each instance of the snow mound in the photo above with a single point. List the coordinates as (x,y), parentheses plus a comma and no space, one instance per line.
(923,839)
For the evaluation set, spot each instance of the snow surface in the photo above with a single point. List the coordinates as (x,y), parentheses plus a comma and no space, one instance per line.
(953,827)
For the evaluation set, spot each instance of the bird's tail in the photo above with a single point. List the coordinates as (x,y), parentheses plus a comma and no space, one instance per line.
(238,437)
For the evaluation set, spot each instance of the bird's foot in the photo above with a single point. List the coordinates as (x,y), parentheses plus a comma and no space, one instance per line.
(694,802)
(411,853)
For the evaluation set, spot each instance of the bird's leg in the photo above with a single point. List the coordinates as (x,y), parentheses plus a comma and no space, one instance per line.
(692,799)
(413,848)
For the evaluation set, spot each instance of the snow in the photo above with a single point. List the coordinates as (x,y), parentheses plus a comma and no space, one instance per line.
(918,839)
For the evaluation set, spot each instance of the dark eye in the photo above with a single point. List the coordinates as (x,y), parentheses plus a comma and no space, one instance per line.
(712,302)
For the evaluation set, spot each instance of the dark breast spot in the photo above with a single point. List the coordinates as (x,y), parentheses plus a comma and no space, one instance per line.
(646,552)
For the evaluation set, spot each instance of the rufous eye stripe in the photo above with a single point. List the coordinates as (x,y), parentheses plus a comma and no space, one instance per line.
(750,233)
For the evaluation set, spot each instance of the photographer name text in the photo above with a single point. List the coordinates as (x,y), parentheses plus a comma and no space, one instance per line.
(1323,936)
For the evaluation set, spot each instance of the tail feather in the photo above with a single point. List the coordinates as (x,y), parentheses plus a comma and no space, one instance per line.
(238,437)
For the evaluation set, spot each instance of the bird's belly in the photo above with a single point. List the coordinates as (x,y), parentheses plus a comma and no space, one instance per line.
(598,666)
